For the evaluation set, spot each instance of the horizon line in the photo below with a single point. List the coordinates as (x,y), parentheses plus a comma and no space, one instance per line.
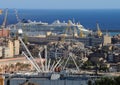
(65,8)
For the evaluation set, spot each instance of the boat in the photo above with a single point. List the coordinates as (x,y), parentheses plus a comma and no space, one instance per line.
(35,28)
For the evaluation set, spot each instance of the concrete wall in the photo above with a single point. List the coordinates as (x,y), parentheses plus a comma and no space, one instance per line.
(39,81)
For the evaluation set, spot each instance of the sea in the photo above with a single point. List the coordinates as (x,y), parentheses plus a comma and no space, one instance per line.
(108,19)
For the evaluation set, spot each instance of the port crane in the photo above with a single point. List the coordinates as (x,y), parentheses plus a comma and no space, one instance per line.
(68,31)
(17,17)
(5,19)
(81,35)
(4,24)
(19,31)
(99,32)
(75,34)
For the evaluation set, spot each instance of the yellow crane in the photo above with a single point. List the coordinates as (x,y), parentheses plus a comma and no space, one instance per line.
(81,35)
(67,31)
(99,32)
(75,34)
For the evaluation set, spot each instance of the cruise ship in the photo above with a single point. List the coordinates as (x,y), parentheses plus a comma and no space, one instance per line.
(33,28)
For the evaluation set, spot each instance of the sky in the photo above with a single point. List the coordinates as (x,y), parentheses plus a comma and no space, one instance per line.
(60,4)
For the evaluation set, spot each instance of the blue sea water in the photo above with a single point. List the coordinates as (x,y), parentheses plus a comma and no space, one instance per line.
(107,19)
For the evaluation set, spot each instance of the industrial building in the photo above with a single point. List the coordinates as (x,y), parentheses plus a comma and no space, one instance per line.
(88,41)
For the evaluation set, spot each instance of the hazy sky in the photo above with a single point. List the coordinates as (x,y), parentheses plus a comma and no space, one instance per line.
(61,4)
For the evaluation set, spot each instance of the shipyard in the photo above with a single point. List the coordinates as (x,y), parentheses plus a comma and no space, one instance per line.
(58,53)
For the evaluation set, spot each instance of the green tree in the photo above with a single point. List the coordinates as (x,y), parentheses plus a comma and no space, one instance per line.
(108,81)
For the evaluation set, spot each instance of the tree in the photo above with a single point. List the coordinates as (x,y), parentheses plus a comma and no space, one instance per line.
(108,81)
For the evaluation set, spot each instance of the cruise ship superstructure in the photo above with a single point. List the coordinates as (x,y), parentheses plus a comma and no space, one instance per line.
(33,28)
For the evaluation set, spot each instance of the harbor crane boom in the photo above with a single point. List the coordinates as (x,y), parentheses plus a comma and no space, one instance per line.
(68,31)
(5,19)
(99,32)
(16,13)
